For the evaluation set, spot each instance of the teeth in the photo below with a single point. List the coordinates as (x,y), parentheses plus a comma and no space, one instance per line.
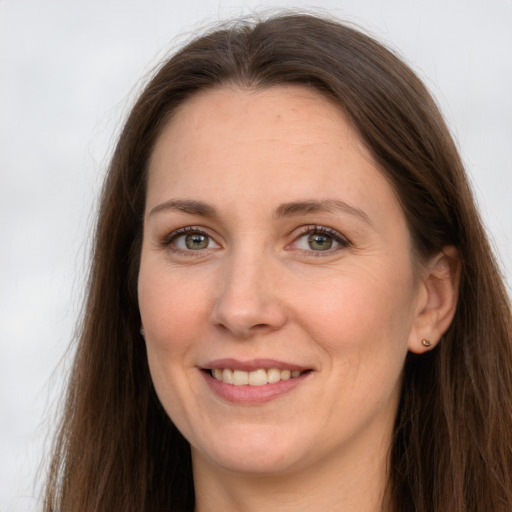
(240,378)
(254,378)
(227,376)
(257,378)
(273,375)
(286,374)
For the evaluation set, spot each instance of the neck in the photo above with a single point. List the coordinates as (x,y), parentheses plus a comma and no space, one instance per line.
(345,483)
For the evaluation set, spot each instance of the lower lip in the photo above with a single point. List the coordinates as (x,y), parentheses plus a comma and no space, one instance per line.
(252,394)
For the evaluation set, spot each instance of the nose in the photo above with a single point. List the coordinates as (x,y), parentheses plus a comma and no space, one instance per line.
(249,300)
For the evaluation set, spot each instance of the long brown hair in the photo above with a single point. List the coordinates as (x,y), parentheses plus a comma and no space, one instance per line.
(452,448)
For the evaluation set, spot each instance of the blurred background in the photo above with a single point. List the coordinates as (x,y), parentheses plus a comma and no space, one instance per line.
(69,71)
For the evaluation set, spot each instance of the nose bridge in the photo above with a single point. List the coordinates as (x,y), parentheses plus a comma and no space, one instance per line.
(247,301)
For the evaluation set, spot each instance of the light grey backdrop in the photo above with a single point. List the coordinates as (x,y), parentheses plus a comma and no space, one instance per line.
(68,71)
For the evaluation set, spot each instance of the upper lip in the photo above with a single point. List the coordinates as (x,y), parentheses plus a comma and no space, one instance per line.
(253,364)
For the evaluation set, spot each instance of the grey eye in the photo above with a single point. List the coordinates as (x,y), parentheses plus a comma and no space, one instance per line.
(195,241)
(317,241)
(320,242)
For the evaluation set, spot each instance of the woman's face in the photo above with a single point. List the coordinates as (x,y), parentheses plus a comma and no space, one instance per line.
(274,247)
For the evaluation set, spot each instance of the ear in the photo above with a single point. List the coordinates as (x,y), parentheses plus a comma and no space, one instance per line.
(437,302)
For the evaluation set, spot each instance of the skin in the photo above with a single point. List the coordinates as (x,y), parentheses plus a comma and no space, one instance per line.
(259,290)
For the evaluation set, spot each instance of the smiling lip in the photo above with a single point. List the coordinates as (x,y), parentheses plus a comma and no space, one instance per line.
(291,376)
(253,364)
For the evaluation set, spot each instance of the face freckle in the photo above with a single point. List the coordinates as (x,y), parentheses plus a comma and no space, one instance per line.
(274,166)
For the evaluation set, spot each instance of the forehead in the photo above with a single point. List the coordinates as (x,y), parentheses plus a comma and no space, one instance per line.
(285,142)
(287,113)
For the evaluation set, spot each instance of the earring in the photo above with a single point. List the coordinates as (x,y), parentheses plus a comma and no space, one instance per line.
(426,343)
(142,332)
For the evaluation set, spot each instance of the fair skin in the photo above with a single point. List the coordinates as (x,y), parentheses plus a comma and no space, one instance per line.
(273,243)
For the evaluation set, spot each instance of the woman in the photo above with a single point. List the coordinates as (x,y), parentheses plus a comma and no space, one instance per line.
(293,303)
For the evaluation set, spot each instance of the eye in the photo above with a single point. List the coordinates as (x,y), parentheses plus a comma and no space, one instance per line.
(320,239)
(190,239)
(320,242)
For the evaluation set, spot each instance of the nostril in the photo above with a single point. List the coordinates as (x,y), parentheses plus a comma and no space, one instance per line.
(245,316)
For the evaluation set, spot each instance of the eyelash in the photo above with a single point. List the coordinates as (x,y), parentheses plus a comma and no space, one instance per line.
(322,230)
(343,242)
(171,238)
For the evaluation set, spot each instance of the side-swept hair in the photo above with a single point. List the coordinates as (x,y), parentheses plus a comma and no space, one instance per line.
(452,448)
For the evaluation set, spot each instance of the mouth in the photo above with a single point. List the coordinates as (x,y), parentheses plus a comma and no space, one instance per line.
(254,381)
(257,377)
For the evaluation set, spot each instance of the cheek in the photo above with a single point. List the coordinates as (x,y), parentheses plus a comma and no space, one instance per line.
(361,299)
(173,315)
(172,312)
(170,306)
(361,318)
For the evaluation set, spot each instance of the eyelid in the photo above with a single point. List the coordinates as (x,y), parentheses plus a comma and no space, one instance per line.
(168,240)
(341,239)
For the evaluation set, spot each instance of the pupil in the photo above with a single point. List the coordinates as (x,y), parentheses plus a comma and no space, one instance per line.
(320,242)
(196,241)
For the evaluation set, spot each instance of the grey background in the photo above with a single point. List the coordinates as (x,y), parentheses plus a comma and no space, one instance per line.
(68,73)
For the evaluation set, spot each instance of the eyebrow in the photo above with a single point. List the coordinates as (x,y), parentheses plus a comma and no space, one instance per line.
(291,209)
(188,206)
(297,208)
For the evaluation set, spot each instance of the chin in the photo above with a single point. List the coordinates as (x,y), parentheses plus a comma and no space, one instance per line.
(252,451)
